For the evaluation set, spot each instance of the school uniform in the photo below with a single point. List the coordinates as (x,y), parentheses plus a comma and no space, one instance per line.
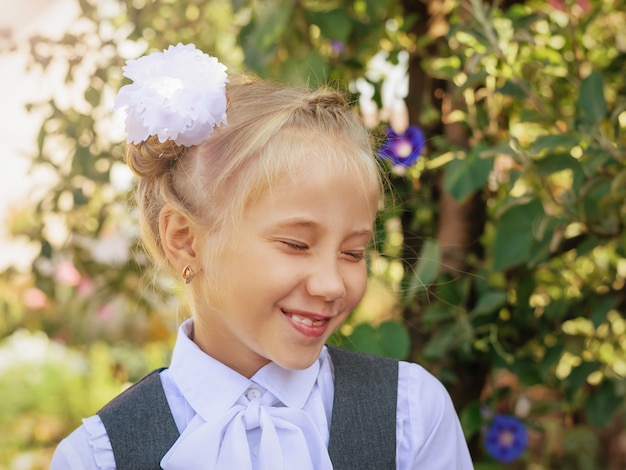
(200,414)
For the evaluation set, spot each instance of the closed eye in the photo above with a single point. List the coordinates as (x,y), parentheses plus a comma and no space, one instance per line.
(294,245)
(355,255)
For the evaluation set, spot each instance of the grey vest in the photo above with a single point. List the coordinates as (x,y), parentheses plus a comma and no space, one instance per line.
(362,431)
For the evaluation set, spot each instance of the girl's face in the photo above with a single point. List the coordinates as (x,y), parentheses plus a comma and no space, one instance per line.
(291,273)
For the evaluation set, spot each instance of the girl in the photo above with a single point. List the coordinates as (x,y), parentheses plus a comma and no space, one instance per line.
(262,199)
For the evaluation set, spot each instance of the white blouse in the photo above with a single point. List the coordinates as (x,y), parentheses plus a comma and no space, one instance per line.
(282,415)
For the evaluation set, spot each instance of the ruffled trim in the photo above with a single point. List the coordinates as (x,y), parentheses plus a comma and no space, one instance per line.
(178,94)
(99,442)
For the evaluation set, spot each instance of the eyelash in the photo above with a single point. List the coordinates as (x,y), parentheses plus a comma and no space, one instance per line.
(356,256)
(296,246)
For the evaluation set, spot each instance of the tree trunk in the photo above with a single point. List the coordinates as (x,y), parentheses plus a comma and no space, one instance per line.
(460,224)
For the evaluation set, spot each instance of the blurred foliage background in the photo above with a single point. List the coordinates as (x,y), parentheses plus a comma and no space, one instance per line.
(500,262)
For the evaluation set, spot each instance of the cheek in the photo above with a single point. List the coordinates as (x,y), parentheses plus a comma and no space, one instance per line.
(357,281)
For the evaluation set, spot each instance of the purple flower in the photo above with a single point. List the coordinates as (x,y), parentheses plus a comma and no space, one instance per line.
(403,149)
(506,438)
(337,47)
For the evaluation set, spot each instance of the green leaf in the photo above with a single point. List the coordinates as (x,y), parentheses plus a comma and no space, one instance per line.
(618,185)
(514,238)
(471,419)
(390,339)
(591,103)
(578,376)
(453,291)
(46,249)
(595,158)
(310,70)
(365,339)
(554,163)
(427,268)
(556,309)
(92,96)
(335,25)
(437,312)
(603,403)
(450,337)
(544,233)
(593,195)
(79,197)
(600,308)
(395,339)
(550,359)
(474,79)
(256,59)
(376,8)
(41,139)
(513,90)
(521,20)
(443,67)
(272,22)
(488,303)
(526,371)
(552,141)
(260,37)
(464,176)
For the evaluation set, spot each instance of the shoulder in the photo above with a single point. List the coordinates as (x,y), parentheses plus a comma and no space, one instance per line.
(87,448)
(427,422)
(422,384)
(422,399)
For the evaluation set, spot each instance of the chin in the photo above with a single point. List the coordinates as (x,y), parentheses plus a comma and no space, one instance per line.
(299,363)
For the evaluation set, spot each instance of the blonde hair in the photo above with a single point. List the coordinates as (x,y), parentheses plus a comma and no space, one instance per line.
(271,132)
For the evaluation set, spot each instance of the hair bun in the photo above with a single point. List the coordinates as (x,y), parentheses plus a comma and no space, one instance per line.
(151,158)
(331,99)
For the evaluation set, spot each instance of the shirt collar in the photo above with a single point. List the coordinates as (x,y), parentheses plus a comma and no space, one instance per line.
(211,388)
(291,387)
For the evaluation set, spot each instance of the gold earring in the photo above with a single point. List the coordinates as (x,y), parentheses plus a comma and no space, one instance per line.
(188,274)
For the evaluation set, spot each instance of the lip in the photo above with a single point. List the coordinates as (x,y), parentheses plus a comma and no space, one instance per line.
(309,324)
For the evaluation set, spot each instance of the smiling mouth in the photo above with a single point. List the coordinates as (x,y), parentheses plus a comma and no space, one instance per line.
(307,321)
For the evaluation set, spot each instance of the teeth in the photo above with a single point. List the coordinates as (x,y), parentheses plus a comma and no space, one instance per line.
(307,321)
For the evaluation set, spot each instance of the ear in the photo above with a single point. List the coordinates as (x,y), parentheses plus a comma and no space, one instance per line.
(178,238)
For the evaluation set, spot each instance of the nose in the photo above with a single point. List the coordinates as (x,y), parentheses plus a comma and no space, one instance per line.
(326,280)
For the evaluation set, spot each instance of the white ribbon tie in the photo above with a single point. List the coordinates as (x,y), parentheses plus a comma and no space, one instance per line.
(257,433)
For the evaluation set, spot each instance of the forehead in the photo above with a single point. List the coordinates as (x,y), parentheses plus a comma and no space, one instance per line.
(294,152)
(285,164)
(317,195)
